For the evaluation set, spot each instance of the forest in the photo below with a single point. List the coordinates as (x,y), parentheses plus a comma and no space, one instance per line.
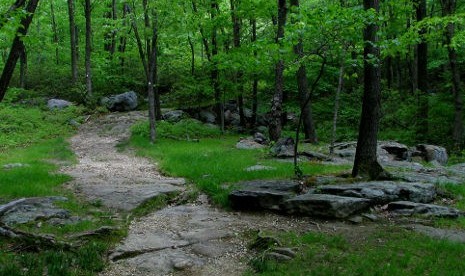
(378,78)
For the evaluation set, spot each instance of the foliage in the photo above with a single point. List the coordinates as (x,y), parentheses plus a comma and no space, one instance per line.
(214,165)
(184,129)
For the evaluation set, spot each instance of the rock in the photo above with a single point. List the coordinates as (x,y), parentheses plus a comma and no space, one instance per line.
(57,104)
(260,138)
(315,156)
(356,219)
(122,102)
(458,169)
(283,148)
(429,177)
(433,153)
(182,264)
(285,251)
(430,210)
(397,150)
(262,129)
(35,208)
(371,217)
(324,205)
(382,192)
(248,143)
(14,166)
(277,257)
(259,168)
(174,116)
(436,233)
(207,116)
(262,243)
(265,194)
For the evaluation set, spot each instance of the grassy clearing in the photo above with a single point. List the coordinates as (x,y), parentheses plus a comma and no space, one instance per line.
(387,251)
(214,164)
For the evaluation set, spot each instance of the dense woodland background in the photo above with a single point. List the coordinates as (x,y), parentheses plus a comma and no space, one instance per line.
(201,53)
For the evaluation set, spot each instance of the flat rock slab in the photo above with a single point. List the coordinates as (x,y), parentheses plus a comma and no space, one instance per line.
(324,205)
(430,177)
(430,210)
(32,209)
(381,192)
(178,238)
(263,194)
(437,233)
(129,197)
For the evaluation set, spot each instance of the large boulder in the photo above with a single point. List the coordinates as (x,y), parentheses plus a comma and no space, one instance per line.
(322,205)
(174,116)
(396,150)
(431,153)
(382,192)
(429,210)
(263,194)
(122,102)
(248,143)
(57,104)
(207,116)
(283,148)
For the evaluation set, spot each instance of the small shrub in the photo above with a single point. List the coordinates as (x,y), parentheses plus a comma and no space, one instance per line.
(185,129)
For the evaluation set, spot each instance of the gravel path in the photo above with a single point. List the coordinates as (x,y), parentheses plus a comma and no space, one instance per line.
(190,239)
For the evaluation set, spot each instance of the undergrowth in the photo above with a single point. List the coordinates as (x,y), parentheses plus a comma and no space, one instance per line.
(214,164)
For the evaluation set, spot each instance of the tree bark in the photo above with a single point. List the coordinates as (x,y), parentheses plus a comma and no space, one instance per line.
(17,48)
(422,77)
(214,74)
(123,39)
(275,126)
(366,163)
(88,15)
(253,22)
(151,81)
(73,42)
(237,44)
(55,33)
(23,68)
(449,7)
(302,84)
(340,85)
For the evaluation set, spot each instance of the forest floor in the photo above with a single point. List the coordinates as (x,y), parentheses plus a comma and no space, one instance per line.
(183,237)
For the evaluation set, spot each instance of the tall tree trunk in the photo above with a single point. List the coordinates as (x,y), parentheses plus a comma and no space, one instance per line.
(340,85)
(237,44)
(192,48)
(17,48)
(449,7)
(366,163)
(73,42)
(422,77)
(214,74)
(152,80)
(88,12)
(302,84)
(123,39)
(23,68)
(253,22)
(55,33)
(275,126)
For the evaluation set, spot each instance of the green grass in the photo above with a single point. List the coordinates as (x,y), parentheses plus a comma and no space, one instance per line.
(214,164)
(387,251)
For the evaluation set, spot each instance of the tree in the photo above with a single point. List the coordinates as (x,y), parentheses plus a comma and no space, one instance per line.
(17,48)
(73,42)
(302,84)
(448,8)
(88,15)
(422,75)
(275,126)
(366,163)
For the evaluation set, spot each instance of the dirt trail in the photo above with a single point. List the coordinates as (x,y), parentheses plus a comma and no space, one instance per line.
(192,239)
